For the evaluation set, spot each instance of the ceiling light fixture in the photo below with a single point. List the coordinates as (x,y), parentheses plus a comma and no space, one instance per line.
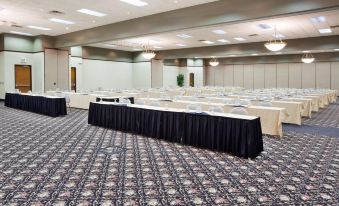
(181,44)
(276,44)
(219,31)
(207,42)
(21,33)
(223,41)
(214,62)
(325,31)
(239,39)
(336,49)
(39,28)
(148,52)
(135,2)
(185,36)
(61,21)
(318,19)
(307,58)
(91,12)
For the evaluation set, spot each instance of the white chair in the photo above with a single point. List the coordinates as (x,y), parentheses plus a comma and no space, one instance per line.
(266,104)
(68,102)
(155,104)
(228,101)
(140,102)
(194,107)
(239,110)
(245,102)
(217,109)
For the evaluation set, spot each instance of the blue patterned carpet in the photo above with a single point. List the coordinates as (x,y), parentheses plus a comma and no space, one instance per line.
(65,161)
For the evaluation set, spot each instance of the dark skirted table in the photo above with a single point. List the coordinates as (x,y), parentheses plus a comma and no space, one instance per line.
(50,106)
(114,99)
(241,137)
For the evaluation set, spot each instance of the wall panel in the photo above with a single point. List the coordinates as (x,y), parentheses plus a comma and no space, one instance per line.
(323,75)
(294,75)
(335,75)
(270,75)
(282,75)
(248,77)
(239,75)
(228,75)
(308,75)
(259,76)
(218,76)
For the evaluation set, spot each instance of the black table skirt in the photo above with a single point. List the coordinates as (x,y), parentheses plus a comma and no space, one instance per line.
(239,137)
(38,104)
(114,99)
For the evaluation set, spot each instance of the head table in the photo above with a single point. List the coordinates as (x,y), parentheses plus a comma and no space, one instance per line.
(239,135)
(47,105)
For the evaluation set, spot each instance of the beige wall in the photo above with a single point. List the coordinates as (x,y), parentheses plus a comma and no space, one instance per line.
(56,69)
(285,75)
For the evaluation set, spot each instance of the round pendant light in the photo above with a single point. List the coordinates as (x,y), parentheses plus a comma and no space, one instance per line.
(214,62)
(148,54)
(307,58)
(275,44)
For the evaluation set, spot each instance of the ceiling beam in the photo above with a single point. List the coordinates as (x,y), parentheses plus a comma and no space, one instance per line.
(214,13)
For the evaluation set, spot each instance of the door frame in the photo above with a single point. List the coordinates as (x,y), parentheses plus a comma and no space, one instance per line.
(30,71)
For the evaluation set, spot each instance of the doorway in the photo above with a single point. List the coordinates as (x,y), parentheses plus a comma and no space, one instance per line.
(191,80)
(73,79)
(23,78)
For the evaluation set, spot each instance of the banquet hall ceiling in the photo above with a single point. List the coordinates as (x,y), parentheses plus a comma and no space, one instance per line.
(25,13)
(291,27)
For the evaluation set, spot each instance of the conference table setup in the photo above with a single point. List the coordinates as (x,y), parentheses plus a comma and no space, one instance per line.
(240,135)
(38,103)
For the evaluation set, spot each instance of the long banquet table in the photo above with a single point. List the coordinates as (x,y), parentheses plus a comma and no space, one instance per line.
(47,105)
(236,134)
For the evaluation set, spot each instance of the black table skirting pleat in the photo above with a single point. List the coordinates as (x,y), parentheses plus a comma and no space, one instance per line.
(239,137)
(53,107)
(113,99)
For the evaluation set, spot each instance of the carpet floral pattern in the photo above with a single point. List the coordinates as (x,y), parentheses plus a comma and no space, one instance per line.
(65,161)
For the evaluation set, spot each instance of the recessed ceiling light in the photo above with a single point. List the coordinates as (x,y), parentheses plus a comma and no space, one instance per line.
(254,54)
(318,19)
(336,49)
(207,42)
(157,47)
(152,41)
(66,28)
(325,31)
(181,44)
(305,51)
(264,26)
(91,12)
(219,31)
(111,45)
(135,2)
(278,35)
(278,53)
(239,39)
(39,28)
(21,33)
(232,55)
(185,36)
(137,49)
(61,21)
(223,41)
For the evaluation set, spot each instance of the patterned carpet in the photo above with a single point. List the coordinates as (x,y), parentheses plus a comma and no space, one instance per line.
(65,161)
(328,117)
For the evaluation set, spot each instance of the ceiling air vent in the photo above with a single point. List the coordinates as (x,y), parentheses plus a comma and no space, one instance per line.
(252,35)
(16,26)
(55,12)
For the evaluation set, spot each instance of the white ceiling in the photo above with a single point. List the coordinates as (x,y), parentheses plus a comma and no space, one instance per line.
(35,13)
(292,27)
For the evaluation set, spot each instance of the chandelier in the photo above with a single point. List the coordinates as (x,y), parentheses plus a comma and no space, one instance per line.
(214,62)
(148,52)
(275,44)
(307,58)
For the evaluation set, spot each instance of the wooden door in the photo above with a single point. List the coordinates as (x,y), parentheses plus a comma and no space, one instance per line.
(191,80)
(23,78)
(73,79)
